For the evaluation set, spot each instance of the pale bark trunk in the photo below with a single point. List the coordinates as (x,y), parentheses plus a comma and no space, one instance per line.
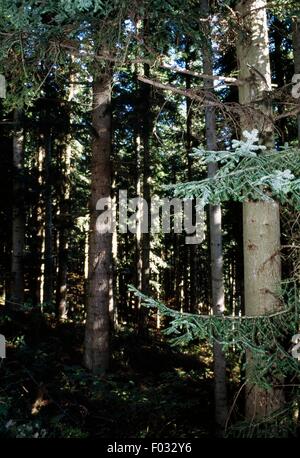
(262,269)
(145,113)
(215,226)
(138,250)
(40,226)
(96,351)
(296,45)
(145,99)
(143,185)
(139,69)
(113,309)
(18,223)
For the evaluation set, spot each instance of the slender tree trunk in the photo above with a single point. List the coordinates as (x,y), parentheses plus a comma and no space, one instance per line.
(64,216)
(113,300)
(96,351)
(186,287)
(279,71)
(48,251)
(146,130)
(138,185)
(177,271)
(34,245)
(61,286)
(63,235)
(40,214)
(217,282)
(216,255)
(191,272)
(18,218)
(143,157)
(261,222)
(138,250)
(145,113)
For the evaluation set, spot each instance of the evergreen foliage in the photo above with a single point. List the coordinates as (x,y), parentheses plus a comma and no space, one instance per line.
(245,173)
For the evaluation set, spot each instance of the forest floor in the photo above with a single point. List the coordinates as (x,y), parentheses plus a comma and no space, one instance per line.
(152,390)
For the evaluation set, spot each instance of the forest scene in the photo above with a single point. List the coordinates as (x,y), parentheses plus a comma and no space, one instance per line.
(150,219)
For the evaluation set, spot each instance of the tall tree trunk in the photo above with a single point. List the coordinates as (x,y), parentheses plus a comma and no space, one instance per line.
(296,46)
(138,249)
(64,217)
(63,235)
(113,300)
(40,233)
(145,111)
(138,185)
(48,250)
(191,272)
(96,351)
(18,219)
(146,131)
(261,222)
(216,255)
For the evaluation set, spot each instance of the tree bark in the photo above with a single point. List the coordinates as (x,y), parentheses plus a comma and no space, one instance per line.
(191,271)
(145,113)
(296,46)
(48,251)
(146,129)
(18,219)
(215,226)
(96,348)
(40,233)
(138,250)
(262,272)
(64,219)
(261,222)
(63,235)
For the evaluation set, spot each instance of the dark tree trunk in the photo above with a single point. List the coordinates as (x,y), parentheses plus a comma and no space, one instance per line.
(48,252)
(18,217)
(96,351)
(191,270)
(63,234)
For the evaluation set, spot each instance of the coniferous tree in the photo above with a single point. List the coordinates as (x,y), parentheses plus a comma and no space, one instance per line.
(97,351)
(261,221)
(18,219)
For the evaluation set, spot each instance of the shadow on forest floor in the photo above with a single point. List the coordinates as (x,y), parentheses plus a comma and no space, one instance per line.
(152,390)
